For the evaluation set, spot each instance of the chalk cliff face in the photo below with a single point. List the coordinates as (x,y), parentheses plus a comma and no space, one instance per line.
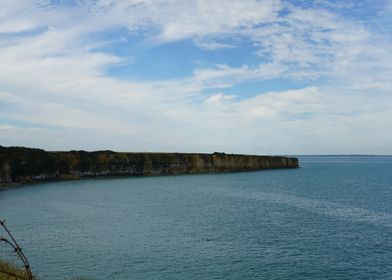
(23,165)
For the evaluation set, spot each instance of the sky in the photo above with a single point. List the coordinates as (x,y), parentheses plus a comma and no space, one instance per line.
(278,77)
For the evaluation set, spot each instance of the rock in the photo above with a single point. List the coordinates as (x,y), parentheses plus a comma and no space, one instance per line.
(26,165)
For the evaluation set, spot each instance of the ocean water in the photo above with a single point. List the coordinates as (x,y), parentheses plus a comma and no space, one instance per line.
(329,219)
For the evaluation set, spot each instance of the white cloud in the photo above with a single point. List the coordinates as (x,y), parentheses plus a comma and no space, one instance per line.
(6,126)
(54,80)
(202,18)
(211,45)
(219,101)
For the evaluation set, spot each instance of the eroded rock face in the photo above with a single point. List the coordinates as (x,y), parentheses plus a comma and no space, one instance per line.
(24,165)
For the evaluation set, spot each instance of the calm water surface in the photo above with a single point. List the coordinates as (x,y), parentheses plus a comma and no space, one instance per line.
(330,219)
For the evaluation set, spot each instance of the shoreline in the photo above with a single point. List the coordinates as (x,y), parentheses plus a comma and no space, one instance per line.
(14,185)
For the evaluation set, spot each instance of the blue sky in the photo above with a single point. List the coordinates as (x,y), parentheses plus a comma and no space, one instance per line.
(260,77)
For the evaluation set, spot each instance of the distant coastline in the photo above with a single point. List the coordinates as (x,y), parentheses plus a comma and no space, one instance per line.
(20,165)
(346,155)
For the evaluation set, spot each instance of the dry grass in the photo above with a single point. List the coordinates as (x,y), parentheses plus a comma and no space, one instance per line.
(10,272)
(19,274)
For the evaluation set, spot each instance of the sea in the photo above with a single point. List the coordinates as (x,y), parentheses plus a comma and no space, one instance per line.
(329,219)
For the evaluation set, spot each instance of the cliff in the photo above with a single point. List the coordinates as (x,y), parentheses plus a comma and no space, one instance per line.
(25,165)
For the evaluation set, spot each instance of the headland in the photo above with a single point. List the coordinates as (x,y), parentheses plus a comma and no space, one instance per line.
(20,165)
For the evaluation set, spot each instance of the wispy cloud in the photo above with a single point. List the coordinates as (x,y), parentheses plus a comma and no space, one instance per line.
(212,45)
